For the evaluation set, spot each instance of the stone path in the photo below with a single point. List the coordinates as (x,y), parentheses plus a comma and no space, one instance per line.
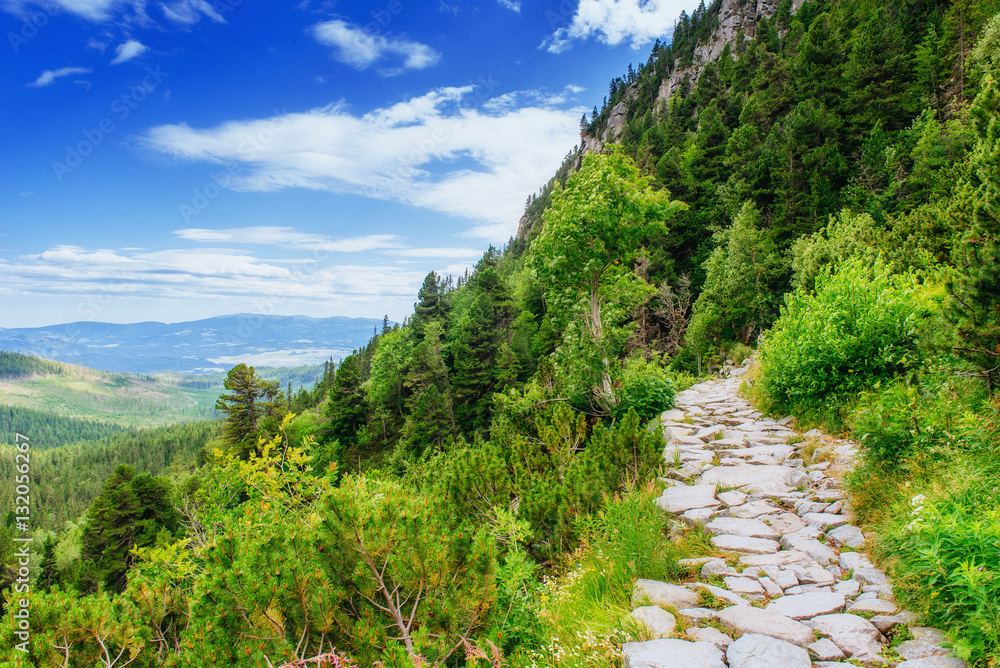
(797,589)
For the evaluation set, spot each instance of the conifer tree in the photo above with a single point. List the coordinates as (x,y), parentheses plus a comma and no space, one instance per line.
(251,400)
(48,575)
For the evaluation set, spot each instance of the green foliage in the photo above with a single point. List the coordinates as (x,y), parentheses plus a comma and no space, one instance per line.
(15,365)
(593,228)
(47,430)
(646,388)
(426,573)
(745,275)
(253,407)
(859,328)
(131,511)
(848,234)
(946,558)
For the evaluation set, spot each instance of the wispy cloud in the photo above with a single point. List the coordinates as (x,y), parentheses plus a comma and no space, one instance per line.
(615,21)
(438,252)
(355,46)
(189,12)
(512,5)
(47,77)
(288,237)
(207,274)
(133,48)
(428,151)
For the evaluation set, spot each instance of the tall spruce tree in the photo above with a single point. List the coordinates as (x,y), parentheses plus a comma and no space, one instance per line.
(251,401)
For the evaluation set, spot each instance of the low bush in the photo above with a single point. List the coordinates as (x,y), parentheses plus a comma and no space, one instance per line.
(860,327)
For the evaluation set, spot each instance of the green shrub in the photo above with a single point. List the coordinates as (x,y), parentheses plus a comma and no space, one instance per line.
(946,555)
(646,388)
(860,327)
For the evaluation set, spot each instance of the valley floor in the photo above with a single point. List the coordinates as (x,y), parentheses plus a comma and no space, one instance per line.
(797,588)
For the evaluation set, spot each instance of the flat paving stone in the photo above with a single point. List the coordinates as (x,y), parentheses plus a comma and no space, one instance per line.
(852,634)
(663,594)
(747,619)
(754,650)
(687,497)
(737,526)
(807,606)
(745,545)
(671,653)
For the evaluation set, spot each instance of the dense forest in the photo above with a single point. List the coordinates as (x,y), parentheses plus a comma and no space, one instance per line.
(48,429)
(473,486)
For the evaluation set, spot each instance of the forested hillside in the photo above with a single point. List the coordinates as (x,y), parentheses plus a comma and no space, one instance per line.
(474,486)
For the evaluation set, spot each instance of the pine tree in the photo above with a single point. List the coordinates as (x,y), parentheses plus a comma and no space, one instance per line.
(345,409)
(430,418)
(251,400)
(48,575)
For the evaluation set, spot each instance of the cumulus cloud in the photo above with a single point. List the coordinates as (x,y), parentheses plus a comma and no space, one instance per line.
(48,76)
(133,48)
(355,46)
(429,151)
(615,21)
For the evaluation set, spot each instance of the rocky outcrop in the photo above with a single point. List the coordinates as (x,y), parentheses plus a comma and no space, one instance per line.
(735,17)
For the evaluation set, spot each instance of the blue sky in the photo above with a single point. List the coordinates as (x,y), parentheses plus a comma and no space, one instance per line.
(188,158)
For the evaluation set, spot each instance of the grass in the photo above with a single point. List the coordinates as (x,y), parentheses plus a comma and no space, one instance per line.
(585,606)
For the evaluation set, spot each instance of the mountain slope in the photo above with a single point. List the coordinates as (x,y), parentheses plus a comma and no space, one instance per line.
(200,346)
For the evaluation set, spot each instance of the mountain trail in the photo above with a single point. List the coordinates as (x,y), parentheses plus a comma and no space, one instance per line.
(797,590)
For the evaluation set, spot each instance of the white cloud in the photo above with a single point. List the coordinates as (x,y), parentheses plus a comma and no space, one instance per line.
(614,21)
(438,252)
(289,238)
(97,11)
(133,48)
(189,12)
(512,5)
(428,151)
(48,76)
(204,276)
(360,49)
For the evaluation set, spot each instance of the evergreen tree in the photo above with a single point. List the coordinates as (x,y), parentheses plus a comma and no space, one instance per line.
(251,400)
(345,409)
(430,421)
(48,575)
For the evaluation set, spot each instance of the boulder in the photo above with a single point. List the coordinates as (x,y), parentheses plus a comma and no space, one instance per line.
(848,535)
(825,650)
(933,662)
(926,642)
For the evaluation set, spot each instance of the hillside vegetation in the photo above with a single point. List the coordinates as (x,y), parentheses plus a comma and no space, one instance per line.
(474,487)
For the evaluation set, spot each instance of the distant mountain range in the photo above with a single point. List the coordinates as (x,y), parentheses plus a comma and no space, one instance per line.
(199,346)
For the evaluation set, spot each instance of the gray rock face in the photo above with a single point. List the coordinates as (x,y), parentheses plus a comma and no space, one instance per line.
(680,498)
(736,526)
(661,624)
(663,594)
(852,634)
(807,606)
(671,653)
(747,619)
(753,650)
